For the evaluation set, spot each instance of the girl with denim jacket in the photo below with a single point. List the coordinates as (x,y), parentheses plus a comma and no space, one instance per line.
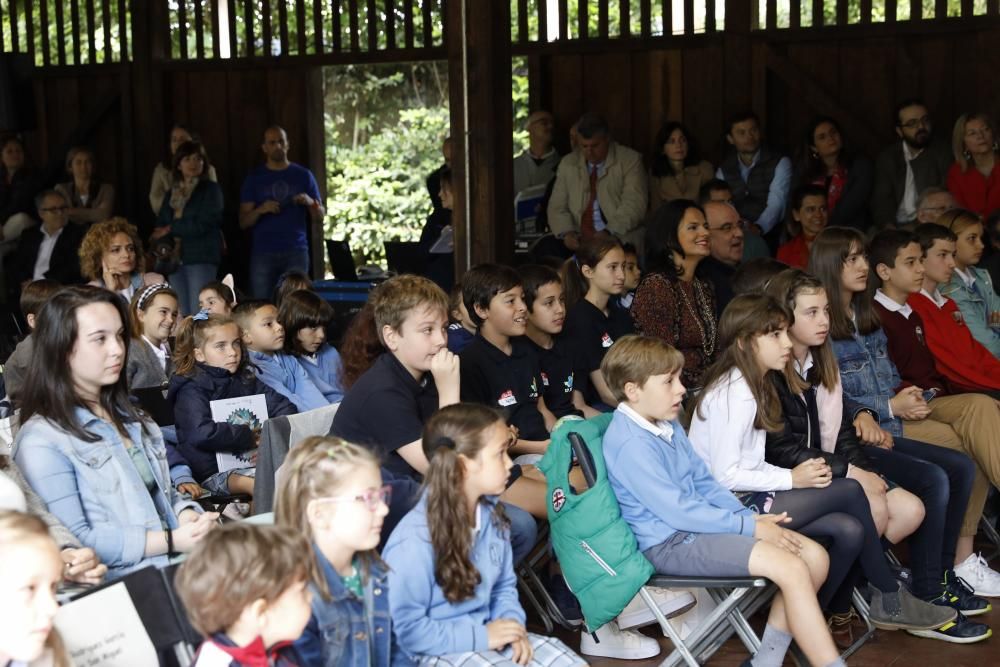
(332,492)
(821,419)
(97,462)
(936,433)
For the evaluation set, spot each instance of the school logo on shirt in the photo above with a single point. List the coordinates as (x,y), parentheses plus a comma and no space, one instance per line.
(558,499)
(920,335)
(606,340)
(533,389)
(568,384)
(507,399)
(545,379)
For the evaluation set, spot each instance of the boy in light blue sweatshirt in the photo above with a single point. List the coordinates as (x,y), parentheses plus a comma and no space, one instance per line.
(264,339)
(686,523)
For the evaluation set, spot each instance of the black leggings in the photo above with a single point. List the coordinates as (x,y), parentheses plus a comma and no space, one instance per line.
(839,514)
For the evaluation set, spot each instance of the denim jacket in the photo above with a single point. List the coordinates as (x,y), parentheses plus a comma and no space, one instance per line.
(977,303)
(869,376)
(94,489)
(341,629)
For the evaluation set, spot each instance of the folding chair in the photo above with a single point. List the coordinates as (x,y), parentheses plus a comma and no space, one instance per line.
(159,610)
(532,587)
(735,597)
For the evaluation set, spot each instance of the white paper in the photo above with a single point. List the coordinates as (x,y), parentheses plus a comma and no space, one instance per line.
(105,629)
(246,410)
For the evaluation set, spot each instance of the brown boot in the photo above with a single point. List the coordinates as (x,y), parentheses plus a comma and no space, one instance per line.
(842,628)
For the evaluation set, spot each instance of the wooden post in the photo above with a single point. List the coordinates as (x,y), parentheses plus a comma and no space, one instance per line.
(142,109)
(479,79)
(738,78)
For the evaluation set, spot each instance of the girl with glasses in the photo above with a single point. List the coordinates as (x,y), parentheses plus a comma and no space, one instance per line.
(332,492)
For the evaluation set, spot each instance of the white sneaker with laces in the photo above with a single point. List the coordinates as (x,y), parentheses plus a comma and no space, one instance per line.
(984,580)
(613,642)
(671,603)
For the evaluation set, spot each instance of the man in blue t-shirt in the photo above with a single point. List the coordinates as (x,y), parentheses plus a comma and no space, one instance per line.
(278,200)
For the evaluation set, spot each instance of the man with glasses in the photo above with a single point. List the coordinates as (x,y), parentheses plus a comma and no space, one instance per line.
(725,245)
(717,190)
(49,250)
(932,203)
(907,168)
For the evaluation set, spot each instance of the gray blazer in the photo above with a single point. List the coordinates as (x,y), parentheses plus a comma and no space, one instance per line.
(930,168)
(143,370)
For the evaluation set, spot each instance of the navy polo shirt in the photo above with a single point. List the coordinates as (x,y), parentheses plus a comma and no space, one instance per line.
(385,410)
(556,366)
(511,383)
(590,333)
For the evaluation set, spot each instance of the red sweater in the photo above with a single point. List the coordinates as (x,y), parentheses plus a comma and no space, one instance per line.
(960,357)
(795,253)
(974,191)
(908,350)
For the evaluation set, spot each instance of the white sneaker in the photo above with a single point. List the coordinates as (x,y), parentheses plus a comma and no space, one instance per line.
(671,603)
(612,642)
(984,580)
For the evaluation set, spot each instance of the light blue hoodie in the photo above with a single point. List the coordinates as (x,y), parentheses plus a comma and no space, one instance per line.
(425,622)
(282,373)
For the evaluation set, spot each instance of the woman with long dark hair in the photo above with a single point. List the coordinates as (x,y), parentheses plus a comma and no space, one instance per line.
(848,178)
(678,172)
(98,463)
(672,302)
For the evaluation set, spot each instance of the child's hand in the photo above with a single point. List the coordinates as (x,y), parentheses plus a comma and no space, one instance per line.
(83,566)
(768,530)
(503,631)
(909,404)
(191,489)
(522,651)
(444,370)
(814,474)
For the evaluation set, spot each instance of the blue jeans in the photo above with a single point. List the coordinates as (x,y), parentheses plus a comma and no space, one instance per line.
(266,268)
(188,280)
(942,479)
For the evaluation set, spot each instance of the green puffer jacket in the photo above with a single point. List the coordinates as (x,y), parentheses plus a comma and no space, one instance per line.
(599,556)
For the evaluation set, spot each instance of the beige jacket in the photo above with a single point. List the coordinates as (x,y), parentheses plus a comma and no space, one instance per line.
(621,193)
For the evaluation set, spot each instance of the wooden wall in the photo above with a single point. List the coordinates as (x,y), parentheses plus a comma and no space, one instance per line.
(854,74)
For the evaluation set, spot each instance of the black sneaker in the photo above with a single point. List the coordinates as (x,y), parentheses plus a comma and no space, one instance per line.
(959,631)
(960,595)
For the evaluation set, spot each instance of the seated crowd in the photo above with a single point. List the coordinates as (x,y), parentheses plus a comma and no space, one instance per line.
(789,418)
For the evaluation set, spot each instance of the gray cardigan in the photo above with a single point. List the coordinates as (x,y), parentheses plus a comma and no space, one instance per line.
(144,370)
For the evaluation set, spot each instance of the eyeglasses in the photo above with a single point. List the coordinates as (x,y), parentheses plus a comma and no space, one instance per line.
(371,498)
(914,123)
(54,209)
(729,227)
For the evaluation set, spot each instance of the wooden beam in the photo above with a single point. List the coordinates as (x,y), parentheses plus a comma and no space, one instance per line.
(479,53)
(43,16)
(805,88)
(300,27)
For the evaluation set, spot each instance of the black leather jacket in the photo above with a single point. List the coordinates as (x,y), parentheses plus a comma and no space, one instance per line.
(799,440)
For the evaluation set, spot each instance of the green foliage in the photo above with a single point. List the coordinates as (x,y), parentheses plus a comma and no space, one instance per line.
(519,100)
(376,190)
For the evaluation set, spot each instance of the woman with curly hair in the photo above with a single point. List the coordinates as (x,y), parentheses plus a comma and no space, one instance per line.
(111,257)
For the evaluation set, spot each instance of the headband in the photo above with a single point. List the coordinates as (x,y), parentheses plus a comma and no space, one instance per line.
(148,292)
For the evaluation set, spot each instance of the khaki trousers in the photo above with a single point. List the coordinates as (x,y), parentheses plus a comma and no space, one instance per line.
(969,423)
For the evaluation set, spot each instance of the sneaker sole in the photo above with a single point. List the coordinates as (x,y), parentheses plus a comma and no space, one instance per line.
(883,625)
(645,617)
(631,654)
(976,612)
(931,634)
